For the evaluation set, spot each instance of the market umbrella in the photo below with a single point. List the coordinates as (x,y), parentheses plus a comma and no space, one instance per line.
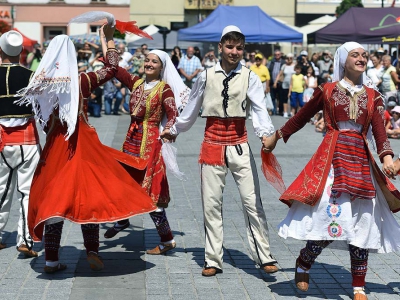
(81,39)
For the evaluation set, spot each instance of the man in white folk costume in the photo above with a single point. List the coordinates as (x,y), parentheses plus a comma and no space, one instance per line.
(227,92)
(19,140)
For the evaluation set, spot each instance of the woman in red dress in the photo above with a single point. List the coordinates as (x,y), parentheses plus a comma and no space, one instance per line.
(341,195)
(77,178)
(152,99)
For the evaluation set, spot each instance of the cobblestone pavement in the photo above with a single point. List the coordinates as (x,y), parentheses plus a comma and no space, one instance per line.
(131,274)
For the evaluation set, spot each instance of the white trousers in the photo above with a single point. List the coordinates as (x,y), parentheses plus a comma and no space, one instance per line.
(17,166)
(240,161)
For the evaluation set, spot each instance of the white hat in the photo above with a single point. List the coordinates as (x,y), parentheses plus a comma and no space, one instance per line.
(228,29)
(11,43)
(304,52)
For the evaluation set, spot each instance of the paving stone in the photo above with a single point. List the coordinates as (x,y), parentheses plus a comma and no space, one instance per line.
(131,274)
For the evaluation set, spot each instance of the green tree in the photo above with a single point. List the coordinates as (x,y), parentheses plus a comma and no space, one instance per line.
(119,35)
(346,4)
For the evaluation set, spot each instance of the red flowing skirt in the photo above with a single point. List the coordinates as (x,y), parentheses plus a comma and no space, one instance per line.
(84,181)
(155,181)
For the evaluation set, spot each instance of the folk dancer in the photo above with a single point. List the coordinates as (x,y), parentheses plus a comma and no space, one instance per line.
(226,92)
(341,194)
(153,100)
(19,140)
(77,178)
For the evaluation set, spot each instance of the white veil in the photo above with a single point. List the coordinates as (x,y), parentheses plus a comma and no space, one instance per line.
(55,84)
(340,59)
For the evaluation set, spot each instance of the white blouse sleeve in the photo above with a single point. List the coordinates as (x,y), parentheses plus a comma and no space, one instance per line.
(261,120)
(189,114)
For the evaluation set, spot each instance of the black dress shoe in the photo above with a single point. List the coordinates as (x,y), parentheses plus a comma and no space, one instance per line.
(113,231)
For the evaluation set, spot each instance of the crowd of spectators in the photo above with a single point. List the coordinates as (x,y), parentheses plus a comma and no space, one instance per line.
(288,81)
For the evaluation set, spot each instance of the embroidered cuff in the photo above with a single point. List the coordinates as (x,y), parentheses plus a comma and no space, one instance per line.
(173,130)
(384,153)
(265,132)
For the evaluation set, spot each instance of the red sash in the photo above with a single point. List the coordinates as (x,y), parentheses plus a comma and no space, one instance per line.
(220,133)
(19,135)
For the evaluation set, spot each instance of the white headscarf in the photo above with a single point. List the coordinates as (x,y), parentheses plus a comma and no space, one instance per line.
(170,75)
(340,60)
(338,73)
(55,84)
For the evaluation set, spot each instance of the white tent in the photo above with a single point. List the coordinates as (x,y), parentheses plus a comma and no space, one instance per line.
(158,42)
(315,25)
(151,30)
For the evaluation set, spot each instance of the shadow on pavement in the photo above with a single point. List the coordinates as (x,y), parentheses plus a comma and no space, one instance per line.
(330,281)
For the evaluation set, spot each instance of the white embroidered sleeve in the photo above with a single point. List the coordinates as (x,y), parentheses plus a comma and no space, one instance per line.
(261,120)
(189,114)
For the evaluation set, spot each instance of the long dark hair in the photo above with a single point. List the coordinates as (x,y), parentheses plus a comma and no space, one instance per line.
(38,53)
(175,58)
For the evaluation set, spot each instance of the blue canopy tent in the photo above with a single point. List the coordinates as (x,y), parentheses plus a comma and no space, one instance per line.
(255,24)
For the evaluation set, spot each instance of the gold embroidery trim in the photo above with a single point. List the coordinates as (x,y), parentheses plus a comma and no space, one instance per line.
(8,74)
(353,101)
(135,86)
(159,86)
(90,84)
(17,116)
(8,96)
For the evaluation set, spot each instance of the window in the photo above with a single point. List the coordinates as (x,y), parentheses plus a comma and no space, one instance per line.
(51,32)
(94,29)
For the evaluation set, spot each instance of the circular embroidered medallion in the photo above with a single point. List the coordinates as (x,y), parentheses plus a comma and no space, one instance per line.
(335,230)
(333,210)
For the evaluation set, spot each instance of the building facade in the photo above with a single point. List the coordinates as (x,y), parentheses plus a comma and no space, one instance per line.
(164,12)
(41,20)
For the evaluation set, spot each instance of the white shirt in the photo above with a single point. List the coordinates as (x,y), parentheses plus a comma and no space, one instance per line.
(351,88)
(13,122)
(261,120)
(375,74)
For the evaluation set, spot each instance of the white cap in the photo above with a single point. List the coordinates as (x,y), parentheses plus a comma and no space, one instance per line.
(304,52)
(228,29)
(11,43)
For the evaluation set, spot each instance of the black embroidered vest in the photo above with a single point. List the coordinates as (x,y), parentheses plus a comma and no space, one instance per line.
(12,79)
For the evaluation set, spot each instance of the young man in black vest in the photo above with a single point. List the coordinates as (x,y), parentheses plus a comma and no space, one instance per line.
(19,140)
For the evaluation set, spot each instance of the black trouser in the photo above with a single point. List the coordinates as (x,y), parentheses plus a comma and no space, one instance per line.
(276,98)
